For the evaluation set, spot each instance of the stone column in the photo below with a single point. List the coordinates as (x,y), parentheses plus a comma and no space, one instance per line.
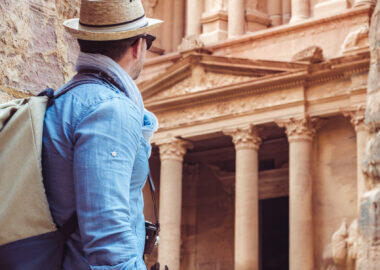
(236,18)
(357,120)
(247,143)
(286,10)
(275,12)
(189,218)
(214,22)
(193,18)
(168,27)
(178,22)
(171,155)
(325,8)
(300,10)
(300,134)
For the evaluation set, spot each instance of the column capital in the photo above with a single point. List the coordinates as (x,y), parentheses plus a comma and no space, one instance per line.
(246,137)
(174,149)
(357,117)
(303,128)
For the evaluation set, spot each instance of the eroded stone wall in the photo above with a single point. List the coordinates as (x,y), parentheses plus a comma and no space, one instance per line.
(334,182)
(35,50)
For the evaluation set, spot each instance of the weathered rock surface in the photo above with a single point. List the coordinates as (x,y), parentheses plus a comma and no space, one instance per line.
(373,90)
(368,256)
(35,50)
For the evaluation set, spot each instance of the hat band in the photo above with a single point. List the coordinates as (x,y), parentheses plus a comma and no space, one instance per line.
(112,25)
(132,25)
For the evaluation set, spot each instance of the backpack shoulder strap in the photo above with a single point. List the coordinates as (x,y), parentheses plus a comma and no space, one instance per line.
(69,227)
(50,93)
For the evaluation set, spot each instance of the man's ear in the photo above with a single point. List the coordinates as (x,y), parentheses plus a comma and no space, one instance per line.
(136,49)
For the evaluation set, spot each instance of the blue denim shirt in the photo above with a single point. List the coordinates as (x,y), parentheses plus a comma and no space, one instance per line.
(95,162)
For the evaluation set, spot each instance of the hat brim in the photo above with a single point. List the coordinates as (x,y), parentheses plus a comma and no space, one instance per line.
(107,33)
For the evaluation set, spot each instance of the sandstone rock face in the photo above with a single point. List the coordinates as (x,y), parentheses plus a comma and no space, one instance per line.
(373,91)
(368,256)
(35,50)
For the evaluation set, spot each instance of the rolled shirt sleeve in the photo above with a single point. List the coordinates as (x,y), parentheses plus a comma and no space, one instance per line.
(106,143)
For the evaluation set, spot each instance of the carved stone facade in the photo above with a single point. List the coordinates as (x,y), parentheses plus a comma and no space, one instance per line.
(299,129)
(250,102)
(175,149)
(245,137)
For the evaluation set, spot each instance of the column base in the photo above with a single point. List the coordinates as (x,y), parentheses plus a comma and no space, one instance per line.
(298,19)
(276,20)
(285,18)
(212,37)
(330,7)
(256,20)
(215,26)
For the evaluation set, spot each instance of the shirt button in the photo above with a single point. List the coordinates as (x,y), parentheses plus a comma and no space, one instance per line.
(114,154)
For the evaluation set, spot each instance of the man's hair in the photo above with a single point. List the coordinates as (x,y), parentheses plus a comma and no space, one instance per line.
(114,49)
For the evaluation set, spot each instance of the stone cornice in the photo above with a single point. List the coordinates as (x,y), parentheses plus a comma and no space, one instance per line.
(220,64)
(174,149)
(334,69)
(299,129)
(227,92)
(246,137)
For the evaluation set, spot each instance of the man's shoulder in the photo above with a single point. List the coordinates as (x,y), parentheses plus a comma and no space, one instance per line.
(92,95)
(93,92)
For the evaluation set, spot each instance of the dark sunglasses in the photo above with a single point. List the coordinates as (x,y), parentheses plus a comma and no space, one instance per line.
(148,38)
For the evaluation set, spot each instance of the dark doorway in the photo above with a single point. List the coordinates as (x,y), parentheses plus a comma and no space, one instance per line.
(274,234)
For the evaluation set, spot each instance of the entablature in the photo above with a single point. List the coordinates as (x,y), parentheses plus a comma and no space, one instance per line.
(191,101)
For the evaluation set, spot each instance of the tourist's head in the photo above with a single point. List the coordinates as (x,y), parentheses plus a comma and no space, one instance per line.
(129,53)
(118,29)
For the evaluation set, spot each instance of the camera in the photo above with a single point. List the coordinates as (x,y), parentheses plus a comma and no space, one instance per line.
(151,236)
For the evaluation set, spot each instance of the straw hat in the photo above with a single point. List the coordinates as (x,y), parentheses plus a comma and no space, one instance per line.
(110,20)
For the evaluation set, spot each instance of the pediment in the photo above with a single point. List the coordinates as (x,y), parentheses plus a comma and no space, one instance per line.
(197,72)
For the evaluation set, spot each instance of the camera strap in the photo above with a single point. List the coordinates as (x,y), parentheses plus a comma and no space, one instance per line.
(153,192)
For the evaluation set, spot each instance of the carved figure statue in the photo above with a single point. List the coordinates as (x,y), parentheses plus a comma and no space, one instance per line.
(344,247)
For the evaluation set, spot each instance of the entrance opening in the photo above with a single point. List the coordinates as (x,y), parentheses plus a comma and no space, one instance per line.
(274,233)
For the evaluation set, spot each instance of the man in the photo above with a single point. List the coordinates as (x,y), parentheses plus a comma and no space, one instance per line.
(96,139)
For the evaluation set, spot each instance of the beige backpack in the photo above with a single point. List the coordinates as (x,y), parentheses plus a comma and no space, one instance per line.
(24,210)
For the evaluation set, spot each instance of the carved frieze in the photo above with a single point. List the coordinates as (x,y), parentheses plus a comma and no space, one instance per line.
(199,83)
(239,106)
(174,149)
